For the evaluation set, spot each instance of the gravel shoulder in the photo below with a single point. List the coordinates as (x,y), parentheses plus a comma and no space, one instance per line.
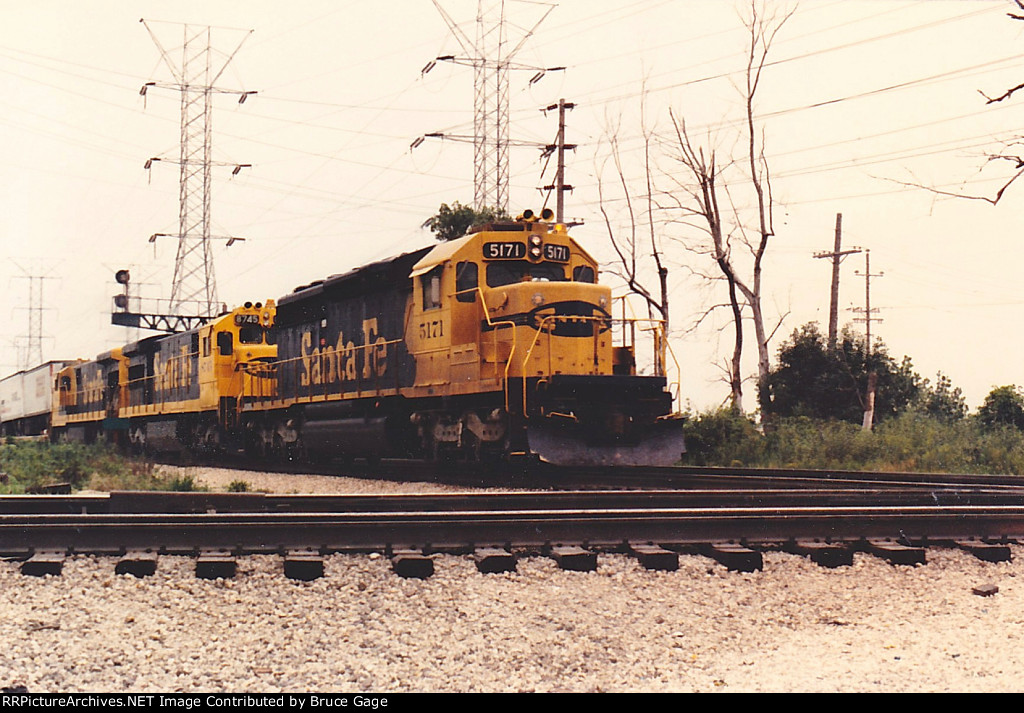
(792,627)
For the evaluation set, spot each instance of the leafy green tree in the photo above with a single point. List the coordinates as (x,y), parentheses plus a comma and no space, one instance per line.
(454,221)
(941,401)
(812,382)
(1004,406)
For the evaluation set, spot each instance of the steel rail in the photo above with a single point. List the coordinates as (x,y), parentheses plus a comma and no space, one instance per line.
(538,474)
(462,530)
(141,502)
(736,476)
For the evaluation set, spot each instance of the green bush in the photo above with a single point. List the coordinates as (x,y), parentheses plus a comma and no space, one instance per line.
(722,437)
(910,442)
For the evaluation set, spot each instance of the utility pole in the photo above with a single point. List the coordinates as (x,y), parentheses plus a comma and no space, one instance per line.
(867,310)
(837,256)
(491,56)
(559,186)
(869,405)
(194,287)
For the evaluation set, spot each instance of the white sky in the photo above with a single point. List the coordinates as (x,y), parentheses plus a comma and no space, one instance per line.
(334,183)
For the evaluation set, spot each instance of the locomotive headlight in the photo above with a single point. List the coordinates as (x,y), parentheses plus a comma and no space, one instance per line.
(603,301)
(536,247)
(538,300)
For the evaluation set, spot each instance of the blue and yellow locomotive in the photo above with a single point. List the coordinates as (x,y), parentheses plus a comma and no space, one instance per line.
(168,392)
(500,342)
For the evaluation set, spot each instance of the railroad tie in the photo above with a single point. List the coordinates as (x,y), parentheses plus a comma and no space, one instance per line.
(139,563)
(655,557)
(986,551)
(735,557)
(216,564)
(410,564)
(822,553)
(303,565)
(492,560)
(574,559)
(896,553)
(44,562)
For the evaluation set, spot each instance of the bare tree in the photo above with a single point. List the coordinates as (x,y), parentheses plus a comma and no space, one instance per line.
(700,194)
(702,201)
(639,240)
(1011,152)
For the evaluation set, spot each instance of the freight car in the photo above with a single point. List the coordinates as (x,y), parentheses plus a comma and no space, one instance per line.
(25,400)
(168,392)
(501,342)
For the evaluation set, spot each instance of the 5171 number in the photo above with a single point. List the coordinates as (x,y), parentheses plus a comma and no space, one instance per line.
(431,330)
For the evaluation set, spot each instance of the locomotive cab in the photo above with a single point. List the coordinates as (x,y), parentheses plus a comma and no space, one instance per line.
(516,308)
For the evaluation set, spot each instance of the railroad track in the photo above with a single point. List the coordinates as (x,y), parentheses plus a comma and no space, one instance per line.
(826,524)
(535,474)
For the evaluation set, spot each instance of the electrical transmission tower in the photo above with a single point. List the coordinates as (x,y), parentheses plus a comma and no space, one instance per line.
(194,287)
(30,345)
(491,56)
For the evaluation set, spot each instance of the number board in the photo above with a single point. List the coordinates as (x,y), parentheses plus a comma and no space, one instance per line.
(556,253)
(241,319)
(504,251)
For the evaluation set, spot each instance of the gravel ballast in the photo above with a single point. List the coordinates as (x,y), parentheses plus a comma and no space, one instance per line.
(793,627)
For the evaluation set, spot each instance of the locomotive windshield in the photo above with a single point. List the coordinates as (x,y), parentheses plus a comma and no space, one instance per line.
(509,272)
(250,334)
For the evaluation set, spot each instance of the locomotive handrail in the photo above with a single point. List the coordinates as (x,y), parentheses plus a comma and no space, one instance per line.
(512,351)
(666,346)
(657,326)
(260,373)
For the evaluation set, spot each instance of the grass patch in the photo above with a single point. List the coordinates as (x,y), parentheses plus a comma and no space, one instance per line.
(27,465)
(910,442)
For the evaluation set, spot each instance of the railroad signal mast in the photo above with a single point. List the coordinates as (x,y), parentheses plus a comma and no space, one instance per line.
(194,287)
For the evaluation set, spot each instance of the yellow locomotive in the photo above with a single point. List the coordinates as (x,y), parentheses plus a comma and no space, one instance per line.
(500,342)
(168,392)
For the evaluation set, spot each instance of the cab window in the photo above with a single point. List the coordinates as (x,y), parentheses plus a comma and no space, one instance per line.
(466,281)
(250,334)
(432,288)
(509,272)
(583,273)
(225,343)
